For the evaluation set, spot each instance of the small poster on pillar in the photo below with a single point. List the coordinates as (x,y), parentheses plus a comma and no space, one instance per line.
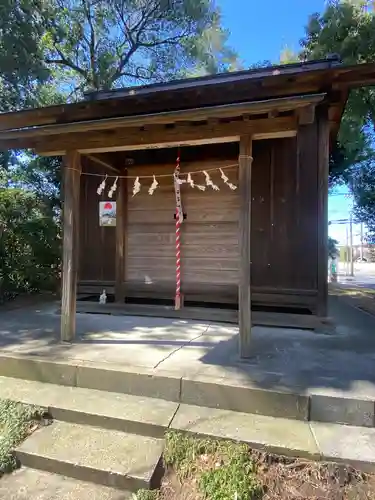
(107,213)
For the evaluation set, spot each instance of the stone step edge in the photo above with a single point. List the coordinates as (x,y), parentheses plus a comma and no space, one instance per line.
(317,452)
(101,421)
(107,422)
(223,393)
(93,454)
(85,473)
(28,483)
(112,411)
(334,444)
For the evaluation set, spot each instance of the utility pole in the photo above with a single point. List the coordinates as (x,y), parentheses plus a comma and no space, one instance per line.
(351,246)
(361,241)
(347,250)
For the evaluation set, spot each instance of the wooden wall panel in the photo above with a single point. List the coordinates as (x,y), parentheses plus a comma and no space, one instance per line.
(283,232)
(151,229)
(261,239)
(210,253)
(284,213)
(306,254)
(284,217)
(209,235)
(97,244)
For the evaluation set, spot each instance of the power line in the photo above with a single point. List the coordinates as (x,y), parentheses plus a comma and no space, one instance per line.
(347,195)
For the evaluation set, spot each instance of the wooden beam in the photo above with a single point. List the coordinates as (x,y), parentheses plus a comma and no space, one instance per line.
(104,163)
(71,175)
(121,219)
(160,136)
(273,113)
(168,117)
(323,172)
(244,297)
(306,115)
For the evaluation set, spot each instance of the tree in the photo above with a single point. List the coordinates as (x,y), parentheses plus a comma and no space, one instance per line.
(101,44)
(288,56)
(29,243)
(51,51)
(21,60)
(333,250)
(347,28)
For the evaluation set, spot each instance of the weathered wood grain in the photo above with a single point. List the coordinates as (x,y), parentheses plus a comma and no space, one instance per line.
(202,113)
(323,172)
(244,305)
(121,218)
(71,173)
(97,244)
(125,139)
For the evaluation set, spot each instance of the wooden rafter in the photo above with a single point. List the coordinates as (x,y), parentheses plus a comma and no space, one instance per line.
(102,162)
(159,136)
(169,117)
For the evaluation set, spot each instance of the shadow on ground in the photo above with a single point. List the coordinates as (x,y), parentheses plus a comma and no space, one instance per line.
(282,358)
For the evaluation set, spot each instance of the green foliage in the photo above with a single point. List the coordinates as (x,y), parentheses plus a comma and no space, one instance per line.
(100,44)
(231,475)
(288,56)
(363,187)
(347,28)
(234,479)
(29,244)
(146,495)
(21,62)
(16,421)
(51,51)
(333,250)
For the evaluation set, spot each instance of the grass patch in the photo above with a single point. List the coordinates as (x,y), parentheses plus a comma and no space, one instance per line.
(17,421)
(209,469)
(351,291)
(222,469)
(146,495)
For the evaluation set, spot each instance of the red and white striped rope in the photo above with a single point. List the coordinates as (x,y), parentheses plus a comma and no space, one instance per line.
(179,218)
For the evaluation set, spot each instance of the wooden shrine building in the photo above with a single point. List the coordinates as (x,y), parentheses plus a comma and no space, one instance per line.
(253,183)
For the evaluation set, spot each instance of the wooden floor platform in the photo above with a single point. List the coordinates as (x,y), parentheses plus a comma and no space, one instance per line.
(260,318)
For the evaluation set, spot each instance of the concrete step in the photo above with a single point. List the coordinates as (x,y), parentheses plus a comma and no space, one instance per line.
(110,410)
(121,412)
(107,457)
(235,392)
(313,440)
(26,484)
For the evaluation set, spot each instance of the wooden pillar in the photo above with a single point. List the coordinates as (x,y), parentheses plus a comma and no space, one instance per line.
(323,172)
(121,216)
(71,190)
(244,295)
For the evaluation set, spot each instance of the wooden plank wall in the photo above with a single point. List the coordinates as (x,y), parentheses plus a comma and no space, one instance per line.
(283,233)
(150,264)
(97,244)
(284,218)
(209,239)
(210,253)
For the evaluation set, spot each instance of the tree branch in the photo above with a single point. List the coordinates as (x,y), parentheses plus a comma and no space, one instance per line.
(172,40)
(91,45)
(63,60)
(137,74)
(128,32)
(66,62)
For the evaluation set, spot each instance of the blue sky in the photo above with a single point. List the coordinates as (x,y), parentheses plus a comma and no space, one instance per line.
(260,30)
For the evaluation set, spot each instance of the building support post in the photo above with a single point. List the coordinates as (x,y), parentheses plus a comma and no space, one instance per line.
(121,216)
(244,295)
(71,189)
(323,172)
